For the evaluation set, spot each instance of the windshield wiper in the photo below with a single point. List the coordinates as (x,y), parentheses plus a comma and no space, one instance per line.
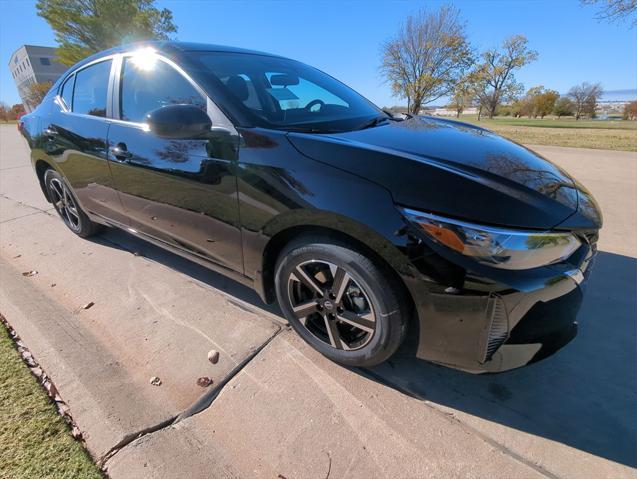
(376,121)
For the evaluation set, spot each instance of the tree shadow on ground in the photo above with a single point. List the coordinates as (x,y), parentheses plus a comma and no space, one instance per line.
(585,396)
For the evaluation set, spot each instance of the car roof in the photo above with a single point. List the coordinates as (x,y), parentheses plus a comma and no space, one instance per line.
(169,48)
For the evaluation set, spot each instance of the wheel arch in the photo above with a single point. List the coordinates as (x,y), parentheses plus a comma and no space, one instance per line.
(374,246)
(41,166)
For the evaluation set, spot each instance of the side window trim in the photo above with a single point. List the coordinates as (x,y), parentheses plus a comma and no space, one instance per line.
(109,109)
(60,99)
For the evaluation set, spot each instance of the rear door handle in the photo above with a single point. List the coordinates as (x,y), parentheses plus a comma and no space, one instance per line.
(120,152)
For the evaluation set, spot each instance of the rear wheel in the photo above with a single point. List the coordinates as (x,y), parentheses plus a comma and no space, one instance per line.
(340,302)
(67,207)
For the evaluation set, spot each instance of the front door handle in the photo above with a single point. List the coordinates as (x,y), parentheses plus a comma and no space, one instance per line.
(49,132)
(120,152)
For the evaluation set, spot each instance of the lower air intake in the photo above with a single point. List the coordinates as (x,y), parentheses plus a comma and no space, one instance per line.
(499,329)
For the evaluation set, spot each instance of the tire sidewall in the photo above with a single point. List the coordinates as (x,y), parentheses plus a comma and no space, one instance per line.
(85,226)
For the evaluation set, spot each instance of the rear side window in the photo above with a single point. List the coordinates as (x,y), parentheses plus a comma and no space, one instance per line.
(91,85)
(66,92)
(150,83)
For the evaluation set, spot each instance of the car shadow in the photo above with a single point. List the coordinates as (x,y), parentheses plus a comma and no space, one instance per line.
(585,396)
(120,239)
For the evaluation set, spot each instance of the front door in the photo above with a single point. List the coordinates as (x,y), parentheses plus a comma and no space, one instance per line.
(180,192)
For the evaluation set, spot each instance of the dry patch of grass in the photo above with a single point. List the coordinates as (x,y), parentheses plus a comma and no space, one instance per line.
(605,139)
(34,440)
(599,134)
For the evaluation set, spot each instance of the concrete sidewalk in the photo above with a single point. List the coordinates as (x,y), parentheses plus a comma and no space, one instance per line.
(286,411)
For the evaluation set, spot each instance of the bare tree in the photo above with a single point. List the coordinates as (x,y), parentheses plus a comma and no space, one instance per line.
(585,98)
(495,77)
(427,56)
(615,10)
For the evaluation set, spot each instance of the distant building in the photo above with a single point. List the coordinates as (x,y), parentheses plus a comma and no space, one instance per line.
(33,64)
(448,112)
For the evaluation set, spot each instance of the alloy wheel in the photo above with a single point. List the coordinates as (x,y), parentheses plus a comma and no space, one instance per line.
(331,305)
(64,204)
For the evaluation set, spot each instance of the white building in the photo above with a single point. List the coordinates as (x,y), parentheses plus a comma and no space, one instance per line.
(33,64)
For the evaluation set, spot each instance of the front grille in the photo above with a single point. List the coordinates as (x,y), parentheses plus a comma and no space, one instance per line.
(498,329)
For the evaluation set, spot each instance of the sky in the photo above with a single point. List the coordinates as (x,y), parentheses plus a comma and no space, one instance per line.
(343,37)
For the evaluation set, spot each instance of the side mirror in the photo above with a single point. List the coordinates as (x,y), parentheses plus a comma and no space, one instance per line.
(179,122)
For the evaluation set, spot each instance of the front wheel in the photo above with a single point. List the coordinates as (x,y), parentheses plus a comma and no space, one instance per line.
(67,207)
(340,302)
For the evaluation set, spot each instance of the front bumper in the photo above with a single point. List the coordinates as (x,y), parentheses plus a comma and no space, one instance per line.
(491,326)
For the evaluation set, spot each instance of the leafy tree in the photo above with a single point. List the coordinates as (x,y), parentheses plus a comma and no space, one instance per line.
(564,106)
(4,111)
(36,93)
(424,60)
(83,27)
(615,10)
(585,98)
(495,74)
(539,102)
(462,96)
(16,111)
(630,110)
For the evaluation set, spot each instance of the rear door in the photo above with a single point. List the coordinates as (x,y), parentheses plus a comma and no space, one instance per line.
(181,192)
(75,135)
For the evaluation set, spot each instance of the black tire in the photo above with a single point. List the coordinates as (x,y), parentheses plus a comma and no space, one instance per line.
(67,206)
(370,291)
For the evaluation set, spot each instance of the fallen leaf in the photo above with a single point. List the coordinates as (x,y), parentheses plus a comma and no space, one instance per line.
(213,356)
(155,381)
(204,381)
(18,256)
(88,305)
(53,285)
(30,273)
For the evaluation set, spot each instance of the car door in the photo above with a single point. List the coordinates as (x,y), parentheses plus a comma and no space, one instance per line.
(180,192)
(76,132)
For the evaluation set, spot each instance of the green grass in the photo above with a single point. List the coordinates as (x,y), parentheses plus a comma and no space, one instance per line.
(35,442)
(605,135)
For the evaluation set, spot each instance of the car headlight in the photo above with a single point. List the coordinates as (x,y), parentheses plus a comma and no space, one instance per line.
(497,247)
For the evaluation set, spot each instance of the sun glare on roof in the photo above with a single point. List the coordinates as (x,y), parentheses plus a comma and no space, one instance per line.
(144,59)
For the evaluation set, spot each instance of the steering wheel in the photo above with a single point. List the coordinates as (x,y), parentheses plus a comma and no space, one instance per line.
(309,106)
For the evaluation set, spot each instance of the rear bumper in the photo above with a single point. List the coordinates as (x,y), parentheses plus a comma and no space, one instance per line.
(501,327)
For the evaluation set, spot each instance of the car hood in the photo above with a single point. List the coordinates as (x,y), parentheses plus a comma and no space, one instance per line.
(459,170)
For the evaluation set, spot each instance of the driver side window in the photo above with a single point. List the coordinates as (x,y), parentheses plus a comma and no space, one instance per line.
(300,95)
(148,85)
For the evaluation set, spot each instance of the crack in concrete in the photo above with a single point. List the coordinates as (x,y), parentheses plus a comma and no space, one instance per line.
(201,404)
(22,203)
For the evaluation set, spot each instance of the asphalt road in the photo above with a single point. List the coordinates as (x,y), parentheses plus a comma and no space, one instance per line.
(277,408)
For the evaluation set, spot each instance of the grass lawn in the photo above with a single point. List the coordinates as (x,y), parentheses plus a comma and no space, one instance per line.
(35,442)
(606,135)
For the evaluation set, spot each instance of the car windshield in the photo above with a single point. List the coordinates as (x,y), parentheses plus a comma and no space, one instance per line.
(285,94)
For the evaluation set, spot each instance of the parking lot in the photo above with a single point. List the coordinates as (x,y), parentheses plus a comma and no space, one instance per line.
(277,408)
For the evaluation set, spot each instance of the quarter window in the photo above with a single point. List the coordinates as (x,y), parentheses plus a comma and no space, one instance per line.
(66,92)
(149,83)
(90,92)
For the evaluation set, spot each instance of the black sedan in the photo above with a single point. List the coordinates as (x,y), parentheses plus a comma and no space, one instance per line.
(365,227)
